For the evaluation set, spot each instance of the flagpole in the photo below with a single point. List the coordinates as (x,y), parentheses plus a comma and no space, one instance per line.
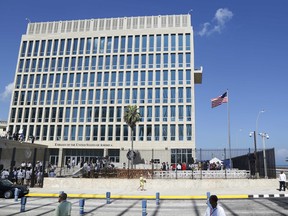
(229,137)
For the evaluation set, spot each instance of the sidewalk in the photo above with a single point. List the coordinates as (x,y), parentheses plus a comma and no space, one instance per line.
(168,188)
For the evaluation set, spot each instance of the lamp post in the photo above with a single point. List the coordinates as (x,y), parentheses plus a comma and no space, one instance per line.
(264,135)
(255,142)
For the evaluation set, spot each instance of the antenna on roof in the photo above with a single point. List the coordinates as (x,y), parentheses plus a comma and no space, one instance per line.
(27,19)
(189,12)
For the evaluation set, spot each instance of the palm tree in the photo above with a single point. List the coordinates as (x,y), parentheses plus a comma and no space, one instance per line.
(131,117)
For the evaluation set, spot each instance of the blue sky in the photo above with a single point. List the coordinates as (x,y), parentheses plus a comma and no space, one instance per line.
(242,46)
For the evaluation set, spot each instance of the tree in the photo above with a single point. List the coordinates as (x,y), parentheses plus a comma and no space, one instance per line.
(131,117)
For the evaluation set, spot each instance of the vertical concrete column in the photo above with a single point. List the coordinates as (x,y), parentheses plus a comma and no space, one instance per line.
(60,159)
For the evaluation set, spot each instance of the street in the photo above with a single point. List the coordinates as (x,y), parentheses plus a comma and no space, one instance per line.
(46,206)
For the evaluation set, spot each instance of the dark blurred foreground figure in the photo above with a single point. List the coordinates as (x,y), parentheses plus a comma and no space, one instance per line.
(213,208)
(64,207)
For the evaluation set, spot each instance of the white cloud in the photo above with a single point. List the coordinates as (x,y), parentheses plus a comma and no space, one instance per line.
(8,91)
(222,16)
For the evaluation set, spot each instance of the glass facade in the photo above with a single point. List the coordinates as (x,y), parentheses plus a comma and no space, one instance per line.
(76,88)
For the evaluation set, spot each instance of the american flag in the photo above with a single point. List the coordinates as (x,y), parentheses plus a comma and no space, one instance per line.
(219,100)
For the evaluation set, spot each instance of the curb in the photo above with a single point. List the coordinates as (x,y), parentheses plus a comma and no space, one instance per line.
(153,197)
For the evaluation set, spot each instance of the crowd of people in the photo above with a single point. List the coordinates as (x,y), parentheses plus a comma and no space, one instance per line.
(23,174)
(206,165)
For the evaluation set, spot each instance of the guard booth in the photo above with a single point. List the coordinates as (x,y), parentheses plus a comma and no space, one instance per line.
(13,153)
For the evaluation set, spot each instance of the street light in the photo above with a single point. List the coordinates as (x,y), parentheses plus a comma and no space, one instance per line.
(264,135)
(255,142)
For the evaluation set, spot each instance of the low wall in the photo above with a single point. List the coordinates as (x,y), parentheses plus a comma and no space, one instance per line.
(100,184)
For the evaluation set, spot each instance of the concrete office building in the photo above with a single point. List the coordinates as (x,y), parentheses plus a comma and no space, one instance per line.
(74,79)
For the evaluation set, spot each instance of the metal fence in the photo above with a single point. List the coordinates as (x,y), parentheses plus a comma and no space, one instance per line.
(199,159)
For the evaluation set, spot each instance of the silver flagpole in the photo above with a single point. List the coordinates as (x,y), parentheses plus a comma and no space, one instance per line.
(229,137)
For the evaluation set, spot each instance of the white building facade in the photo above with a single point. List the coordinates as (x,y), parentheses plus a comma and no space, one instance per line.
(74,79)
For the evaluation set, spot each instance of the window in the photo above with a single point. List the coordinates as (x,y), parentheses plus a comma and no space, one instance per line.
(116,44)
(156,132)
(180,95)
(75,46)
(76,97)
(23,49)
(119,96)
(187,39)
(82,114)
(96,114)
(111,114)
(105,96)
(158,43)
(172,132)
(74,114)
(188,112)
(165,113)
(123,44)
(62,45)
(144,43)
(119,114)
(108,45)
(141,133)
(150,78)
(110,132)
(89,114)
(81,47)
(67,114)
(83,96)
(36,48)
(103,114)
(149,113)
(180,42)
(97,96)
(173,95)
(130,43)
(149,132)
(180,113)
(137,43)
(55,97)
(172,113)
(95,45)
(164,132)
(87,132)
(189,131)
(68,47)
(95,132)
(88,45)
(49,47)
(43,43)
(102,132)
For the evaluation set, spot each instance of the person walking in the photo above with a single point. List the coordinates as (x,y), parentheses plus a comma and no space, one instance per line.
(282,181)
(142,182)
(64,207)
(213,208)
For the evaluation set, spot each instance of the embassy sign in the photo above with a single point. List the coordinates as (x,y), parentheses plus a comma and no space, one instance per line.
(81,145)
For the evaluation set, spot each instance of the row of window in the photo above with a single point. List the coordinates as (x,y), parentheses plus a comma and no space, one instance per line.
(105,62)
(100,114)
(121,78)
(155,132)
(115,44)
(104,96)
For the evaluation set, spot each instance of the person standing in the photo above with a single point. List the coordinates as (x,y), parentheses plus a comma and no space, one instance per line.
(213,208)
(282,181)
(64,208)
